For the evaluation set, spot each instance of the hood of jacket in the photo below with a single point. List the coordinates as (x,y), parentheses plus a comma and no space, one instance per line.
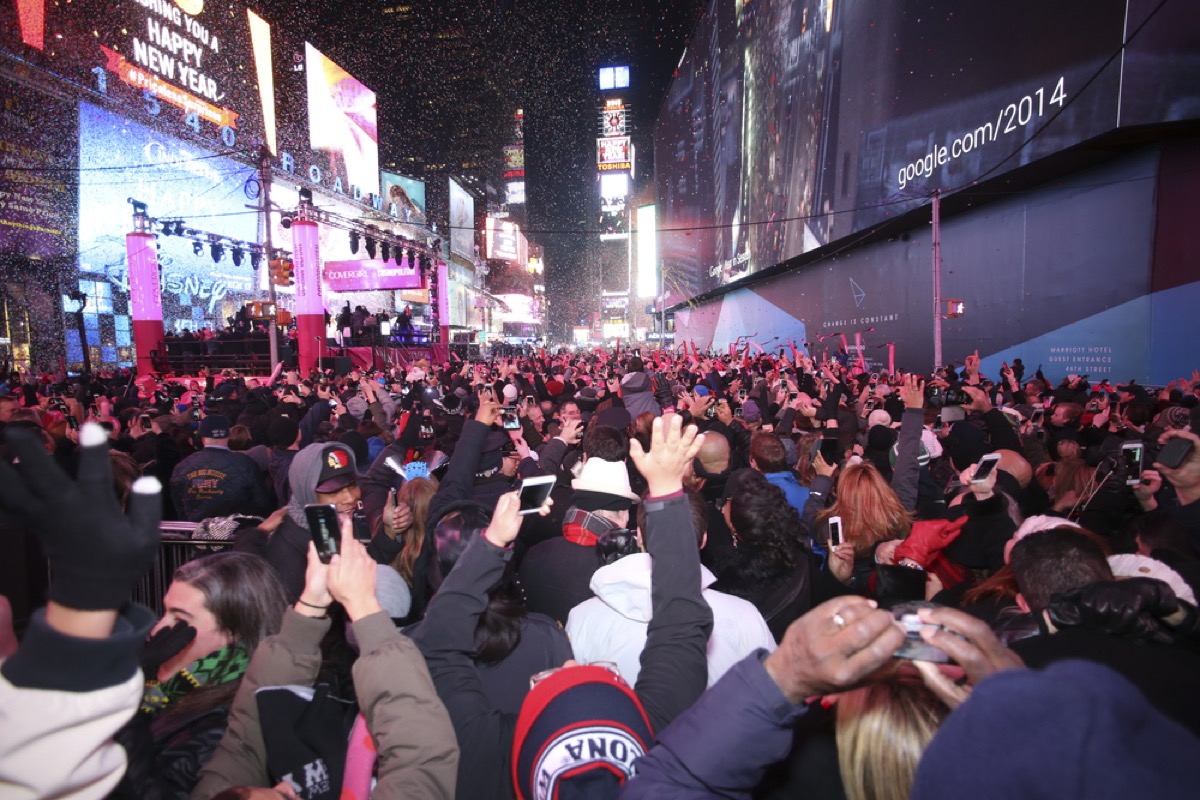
(302,479)
(635,382)
(624,586)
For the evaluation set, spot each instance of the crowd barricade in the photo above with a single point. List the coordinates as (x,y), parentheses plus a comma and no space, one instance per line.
(176,548)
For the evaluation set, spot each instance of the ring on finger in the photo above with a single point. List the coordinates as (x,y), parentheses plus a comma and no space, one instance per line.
(839,620)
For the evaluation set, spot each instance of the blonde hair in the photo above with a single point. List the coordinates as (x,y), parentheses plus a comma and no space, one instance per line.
(417,493)
(882,731)
(871,512)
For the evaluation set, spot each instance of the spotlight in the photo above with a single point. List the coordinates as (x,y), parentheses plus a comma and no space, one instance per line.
(353,241)
(179,227)
(370,247)
(255,258)
(167,228)
(236,255)
(385,251)
(305,195)
(217,252)
(197,248)
(285,220)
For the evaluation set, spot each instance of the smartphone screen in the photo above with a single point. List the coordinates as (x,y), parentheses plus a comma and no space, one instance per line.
(323,526)
(986,465)
(1132,453)
(835,531)
(534,492)
(509,419)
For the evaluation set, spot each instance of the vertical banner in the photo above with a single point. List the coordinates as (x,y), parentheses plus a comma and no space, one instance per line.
(310,310)
(145,298)
(441,326)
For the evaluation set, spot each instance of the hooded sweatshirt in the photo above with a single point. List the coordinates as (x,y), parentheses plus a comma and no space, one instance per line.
(612,625)
(637,393)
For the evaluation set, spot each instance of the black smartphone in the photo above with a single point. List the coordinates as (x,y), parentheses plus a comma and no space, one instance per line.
(534,492)
(1175,452)
(324,528)
(827,386)
(737,413)
(72,422)
(146,421)
(509,420)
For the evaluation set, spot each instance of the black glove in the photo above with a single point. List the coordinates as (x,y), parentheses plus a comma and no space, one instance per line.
(161,647)
(96,552)
(1133,607)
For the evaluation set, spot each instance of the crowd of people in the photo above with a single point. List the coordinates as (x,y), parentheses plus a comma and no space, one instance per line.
(756,575)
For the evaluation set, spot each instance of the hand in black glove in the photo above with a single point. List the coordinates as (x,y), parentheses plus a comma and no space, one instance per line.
(96,552)
(161,647)
(1134,607)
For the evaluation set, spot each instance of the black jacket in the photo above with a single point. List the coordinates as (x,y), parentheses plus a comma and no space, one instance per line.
(674,667)
(216,483)
(165,756)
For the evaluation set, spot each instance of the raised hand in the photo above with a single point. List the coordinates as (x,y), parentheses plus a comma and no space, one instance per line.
(671,450)
(975,648)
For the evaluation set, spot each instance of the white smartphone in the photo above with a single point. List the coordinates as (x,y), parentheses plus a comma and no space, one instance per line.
(835,532)
(1131,454)
(986,465)
(534,492)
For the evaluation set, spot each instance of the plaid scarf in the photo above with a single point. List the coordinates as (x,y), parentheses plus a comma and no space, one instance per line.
(220,666)
(585,527)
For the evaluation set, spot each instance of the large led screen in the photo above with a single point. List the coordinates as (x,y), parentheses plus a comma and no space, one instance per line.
(342,119)
(403,198)
(462,221)
(790,125)
(186,65)
(120,159)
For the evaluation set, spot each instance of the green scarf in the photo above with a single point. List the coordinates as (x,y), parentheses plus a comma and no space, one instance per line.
(220,666)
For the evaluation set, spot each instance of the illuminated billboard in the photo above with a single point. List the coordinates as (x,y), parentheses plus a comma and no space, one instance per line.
(613,119)
(178,180)
(462,221)
(614,78)
(613,153)
(514,161)
(342,119)
(403,198)
(514,193)
(647,253)
(614,185)
(788,128)
(503,239)
(184,65)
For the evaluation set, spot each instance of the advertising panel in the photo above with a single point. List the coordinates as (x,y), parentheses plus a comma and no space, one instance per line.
(612,119)
(342,121)
(462,221)
(37,198)
(613,153)
(503,239)
(647,253)
(175,180)
(514,161)
(369,274)
(403,198)
(791,125)
(185,65)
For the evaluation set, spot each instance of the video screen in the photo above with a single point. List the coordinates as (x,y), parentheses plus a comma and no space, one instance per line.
(342,120)
(790,125)
(185,65)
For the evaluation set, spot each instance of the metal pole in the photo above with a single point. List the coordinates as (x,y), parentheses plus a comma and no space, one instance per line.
(937,280)
(264,173)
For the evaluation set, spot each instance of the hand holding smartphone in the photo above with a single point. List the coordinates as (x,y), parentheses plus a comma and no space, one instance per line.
(534,492)
(325,529)
(984,469)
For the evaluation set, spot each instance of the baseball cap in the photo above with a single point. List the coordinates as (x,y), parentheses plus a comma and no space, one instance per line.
(214,426)
(337,469)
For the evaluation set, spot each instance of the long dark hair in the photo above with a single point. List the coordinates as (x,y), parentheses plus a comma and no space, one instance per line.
(766,528)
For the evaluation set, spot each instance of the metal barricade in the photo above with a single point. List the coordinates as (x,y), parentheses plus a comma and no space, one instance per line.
(176,549)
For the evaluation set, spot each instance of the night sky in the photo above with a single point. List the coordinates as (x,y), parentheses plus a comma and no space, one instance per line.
(545,52)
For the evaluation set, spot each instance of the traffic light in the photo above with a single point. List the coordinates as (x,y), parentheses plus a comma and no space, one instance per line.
(955,308)
(281,271)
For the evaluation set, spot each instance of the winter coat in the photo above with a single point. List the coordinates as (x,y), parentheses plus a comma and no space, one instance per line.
(673,666)
(637,393)
(612,625)
(216,482)
(417,752)
(796,494)
(57,720)
(556,575)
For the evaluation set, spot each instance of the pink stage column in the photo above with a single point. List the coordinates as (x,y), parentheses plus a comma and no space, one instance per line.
(310,310)
(145,297)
